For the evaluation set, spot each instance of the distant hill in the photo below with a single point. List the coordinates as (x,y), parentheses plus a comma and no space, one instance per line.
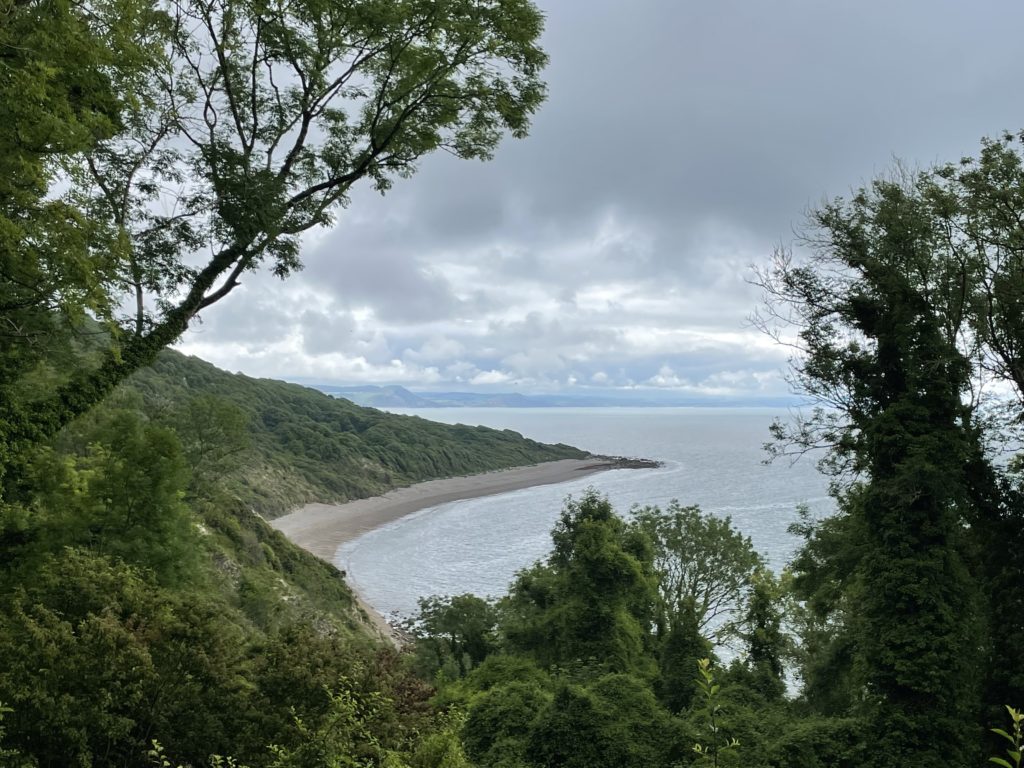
(399,397)
(394,396)
(307,446)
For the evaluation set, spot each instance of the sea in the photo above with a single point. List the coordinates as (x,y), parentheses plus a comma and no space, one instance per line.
(712,457)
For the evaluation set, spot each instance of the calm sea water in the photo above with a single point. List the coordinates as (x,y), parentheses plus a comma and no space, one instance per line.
(713,457)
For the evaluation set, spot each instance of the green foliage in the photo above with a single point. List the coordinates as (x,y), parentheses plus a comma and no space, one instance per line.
(1015,738)
(118,488)
(705,567)
(501,668)
(614,722)
(200,627)
(877,344)
(917,283)
(96,658)
(717,748)
(632,718)
(766,642)
(158,758)
(442,748)
(820,743)
(593,600)
(681,648)
(275,445)
(227,129)
(823,582)
(569,733)
(214,434)
(499,722)
(459,629)
(345,735)
(61,71)
(11,757)
(99,660)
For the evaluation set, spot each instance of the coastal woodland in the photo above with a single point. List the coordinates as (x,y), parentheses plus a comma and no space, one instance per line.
(154,153)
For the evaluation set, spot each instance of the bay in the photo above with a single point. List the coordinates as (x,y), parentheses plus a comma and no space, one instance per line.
(713,457)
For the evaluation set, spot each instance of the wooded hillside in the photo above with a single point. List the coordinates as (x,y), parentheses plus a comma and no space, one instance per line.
(292,444)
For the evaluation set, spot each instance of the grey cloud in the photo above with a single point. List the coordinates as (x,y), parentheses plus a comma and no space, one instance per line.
(395,284)
(258,312)
(325,332)
(680,143)
(744,111)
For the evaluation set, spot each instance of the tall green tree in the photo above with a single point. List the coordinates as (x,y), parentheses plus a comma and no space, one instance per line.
(875,343)
(592,601)
(251,123)
(765,639)
(972,282)
(681,648)
(981,201)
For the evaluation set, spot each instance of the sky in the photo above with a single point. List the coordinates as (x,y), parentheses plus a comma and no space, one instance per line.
(681,143)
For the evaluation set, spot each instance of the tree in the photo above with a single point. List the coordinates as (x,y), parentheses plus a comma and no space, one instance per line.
(764,637)
(250,124)
(681,648)
(592,602)
(459,628)
(980,200)
(214,435)
(570,732)
(871,309)
(969,273)
(499,721)
(823,584)
(615,722)
(120,493)
(59,66)
(704,566)
(981,204)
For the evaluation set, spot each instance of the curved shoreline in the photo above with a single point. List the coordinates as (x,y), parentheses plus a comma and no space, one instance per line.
(322,528)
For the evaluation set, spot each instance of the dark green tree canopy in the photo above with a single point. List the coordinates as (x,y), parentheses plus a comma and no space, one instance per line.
(889,310)
(592,601)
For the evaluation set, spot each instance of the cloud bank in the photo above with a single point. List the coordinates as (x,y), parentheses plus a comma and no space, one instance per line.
(680,144)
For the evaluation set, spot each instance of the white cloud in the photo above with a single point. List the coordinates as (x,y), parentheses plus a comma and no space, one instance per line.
(666,377)
(490,377)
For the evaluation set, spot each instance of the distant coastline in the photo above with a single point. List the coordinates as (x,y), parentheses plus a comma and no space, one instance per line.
(394,396)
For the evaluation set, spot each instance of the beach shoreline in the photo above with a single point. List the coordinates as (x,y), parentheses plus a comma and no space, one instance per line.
(322,528)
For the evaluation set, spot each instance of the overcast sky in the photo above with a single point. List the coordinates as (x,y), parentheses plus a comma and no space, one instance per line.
(681,142)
